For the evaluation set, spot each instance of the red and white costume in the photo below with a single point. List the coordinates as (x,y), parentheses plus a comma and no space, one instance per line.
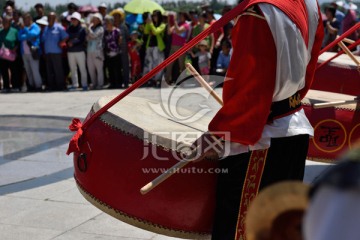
(273,58)
(275,51)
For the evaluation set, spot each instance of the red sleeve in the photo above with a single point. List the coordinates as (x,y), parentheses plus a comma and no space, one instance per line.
(249,83)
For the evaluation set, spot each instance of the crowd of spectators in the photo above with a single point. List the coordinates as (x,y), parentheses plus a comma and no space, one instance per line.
(96,49)
(338,18)
(47,52)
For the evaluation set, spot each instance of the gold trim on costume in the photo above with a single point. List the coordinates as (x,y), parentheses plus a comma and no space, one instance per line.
(156,228)
(252,14)
(250,188)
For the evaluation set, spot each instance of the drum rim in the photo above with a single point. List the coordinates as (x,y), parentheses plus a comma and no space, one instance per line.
(143,224)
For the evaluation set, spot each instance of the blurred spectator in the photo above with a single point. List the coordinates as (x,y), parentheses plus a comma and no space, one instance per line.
(204,57)
(224,57)
(119,22)
(95,53)
(179,30)
(71,8)
(167,37)
(17,23)
(42,22)
(227,27)
(10,3)
(218,36)
(9,40)
(8,11)
(103,9)
(201,26)
(76,51)
(1,24)
(144,39)
(134,46)
(155,45)
(339,16)
(29,37)
(331,27)
(194,17)
(112,41)
(334,211)
(39,8)
(54,37)
(65,63)
(277,212)
(204,6)
(17,20)
(350,20)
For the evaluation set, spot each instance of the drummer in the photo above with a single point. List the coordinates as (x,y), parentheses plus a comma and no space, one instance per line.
(270,72)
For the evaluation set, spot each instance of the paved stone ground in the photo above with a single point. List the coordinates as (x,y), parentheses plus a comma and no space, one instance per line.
(38,196)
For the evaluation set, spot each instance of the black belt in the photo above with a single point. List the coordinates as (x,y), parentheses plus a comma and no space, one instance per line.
(285,107)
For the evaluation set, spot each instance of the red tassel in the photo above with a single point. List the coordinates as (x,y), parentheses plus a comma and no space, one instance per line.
(75,126)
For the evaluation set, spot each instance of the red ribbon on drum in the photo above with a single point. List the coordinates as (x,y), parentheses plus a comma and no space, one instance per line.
(75,126)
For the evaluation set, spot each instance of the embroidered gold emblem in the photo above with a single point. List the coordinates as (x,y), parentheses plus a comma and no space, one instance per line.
(294,101)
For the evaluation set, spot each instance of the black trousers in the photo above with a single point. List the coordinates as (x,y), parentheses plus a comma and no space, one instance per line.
(55,71)
(285,161)
(5,67)
(114,67)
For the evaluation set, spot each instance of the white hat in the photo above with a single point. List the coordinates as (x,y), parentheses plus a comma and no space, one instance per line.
(102,5)
(98,16)
(76,16)
(43,21)
(350,6)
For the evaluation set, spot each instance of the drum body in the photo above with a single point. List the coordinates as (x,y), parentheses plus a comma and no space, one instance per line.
(339,76)
(118,157)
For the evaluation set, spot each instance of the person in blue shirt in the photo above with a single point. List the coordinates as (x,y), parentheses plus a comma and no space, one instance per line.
(223,59)
(29,37)
(76,51)
(339,16)
(54,36)
(331,27)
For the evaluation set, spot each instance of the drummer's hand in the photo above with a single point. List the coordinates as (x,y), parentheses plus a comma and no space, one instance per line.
(210,155)
(207,147)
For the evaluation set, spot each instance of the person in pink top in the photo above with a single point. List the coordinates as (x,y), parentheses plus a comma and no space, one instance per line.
(179,31)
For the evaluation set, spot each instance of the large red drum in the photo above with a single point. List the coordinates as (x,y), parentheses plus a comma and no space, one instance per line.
(340,75)
(121,152)
(336,129)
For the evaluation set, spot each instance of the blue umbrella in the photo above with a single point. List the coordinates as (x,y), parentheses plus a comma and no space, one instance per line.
(132,18)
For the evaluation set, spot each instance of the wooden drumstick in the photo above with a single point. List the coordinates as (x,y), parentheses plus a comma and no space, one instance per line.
(203,83)
(174,169)
(334,104)
(349,53)
(347,40)
(168,173)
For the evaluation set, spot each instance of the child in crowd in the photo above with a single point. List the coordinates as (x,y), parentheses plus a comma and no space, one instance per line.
(203,56)
(223,59)
(133,47)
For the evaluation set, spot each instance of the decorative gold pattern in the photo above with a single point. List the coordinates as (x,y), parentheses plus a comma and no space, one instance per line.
(252,14)
(156,228)
(294,101)
(250,189)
